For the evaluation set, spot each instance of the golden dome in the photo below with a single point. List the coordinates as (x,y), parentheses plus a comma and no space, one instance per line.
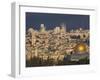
(80,48)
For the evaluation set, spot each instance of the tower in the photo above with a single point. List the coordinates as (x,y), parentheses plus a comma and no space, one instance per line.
(42,28)
(32,33)
(63,27)
(57,30)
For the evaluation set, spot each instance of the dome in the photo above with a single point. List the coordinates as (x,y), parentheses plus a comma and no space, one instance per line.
(30,30)
(81,48)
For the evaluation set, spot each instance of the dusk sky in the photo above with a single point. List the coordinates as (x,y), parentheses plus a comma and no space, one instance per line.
(50,21)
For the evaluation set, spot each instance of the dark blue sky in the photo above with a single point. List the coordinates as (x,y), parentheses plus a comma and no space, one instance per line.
(72,21)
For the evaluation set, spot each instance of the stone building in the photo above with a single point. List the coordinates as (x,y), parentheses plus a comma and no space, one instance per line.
(55,43)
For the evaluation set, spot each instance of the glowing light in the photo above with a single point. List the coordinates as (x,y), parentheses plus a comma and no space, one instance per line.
(81,48)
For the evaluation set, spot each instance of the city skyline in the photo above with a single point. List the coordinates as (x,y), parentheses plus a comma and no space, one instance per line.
(56,39)
(72,21)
